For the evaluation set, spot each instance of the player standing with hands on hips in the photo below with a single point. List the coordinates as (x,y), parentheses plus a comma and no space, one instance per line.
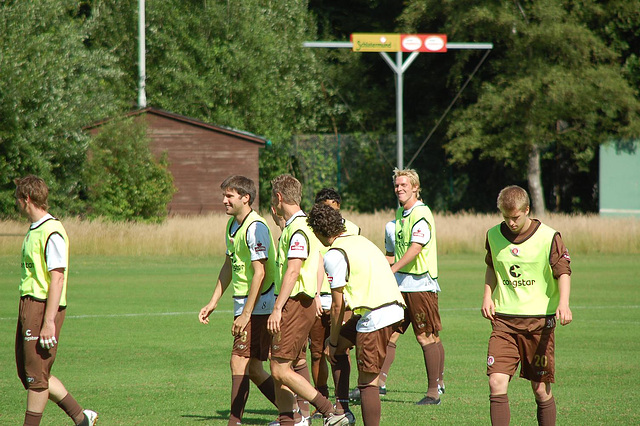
(527,286)
(43,302)
(250,268)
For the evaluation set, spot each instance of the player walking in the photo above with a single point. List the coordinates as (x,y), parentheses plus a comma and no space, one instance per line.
(362,280)
(295,308)
(43,303)
(250,267)
(527,286)
(341,368)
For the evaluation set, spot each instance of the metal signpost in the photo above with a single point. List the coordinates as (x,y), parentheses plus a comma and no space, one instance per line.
(399,43)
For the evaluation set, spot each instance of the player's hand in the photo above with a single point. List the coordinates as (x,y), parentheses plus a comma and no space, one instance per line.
(48,335)
(318,306)
(488,309)
(564,315)
(330,351)
(273,322)
(203,316)
(239,324)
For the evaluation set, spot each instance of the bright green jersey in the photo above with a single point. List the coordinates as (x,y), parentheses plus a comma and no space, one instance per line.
(308,277)
(427,259)
(525,283)
(238,251)
(370,282)
(36,277)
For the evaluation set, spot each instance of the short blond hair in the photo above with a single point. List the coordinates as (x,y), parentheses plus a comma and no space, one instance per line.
(414,179)
(289,187)
(513,198)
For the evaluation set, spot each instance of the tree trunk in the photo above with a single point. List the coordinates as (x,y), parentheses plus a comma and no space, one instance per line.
(534,177)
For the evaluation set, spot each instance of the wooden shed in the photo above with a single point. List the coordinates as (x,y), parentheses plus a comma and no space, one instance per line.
(201,156)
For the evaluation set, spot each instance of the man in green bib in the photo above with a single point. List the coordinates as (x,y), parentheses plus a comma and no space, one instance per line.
(361,280)
(250,269)
(295,308)
(43,303)
(415,265)
(527,286)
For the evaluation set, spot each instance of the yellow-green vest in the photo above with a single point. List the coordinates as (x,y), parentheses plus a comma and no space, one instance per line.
(36,278)
(307,281)
(525,283)
(351,228)
(370,282)
(427,259)
(238,251)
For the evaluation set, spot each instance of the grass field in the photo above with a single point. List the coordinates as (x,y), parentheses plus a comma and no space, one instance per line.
(133,350)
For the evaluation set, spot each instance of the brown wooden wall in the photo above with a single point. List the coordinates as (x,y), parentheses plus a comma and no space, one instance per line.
(199,160)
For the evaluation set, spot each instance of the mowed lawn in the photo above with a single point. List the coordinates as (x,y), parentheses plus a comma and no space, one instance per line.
(133,350)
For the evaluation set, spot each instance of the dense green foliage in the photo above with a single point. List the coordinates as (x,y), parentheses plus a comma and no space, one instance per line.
(50,86)
(562,78)
(124,181)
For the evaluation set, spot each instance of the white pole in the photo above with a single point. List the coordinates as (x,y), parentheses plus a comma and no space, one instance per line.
(142,97)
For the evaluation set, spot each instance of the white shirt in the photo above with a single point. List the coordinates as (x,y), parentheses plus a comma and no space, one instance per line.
(420,234)
(56,249)
(335,265)
(390,237)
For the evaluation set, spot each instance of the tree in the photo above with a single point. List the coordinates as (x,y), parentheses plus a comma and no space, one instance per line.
(50,86)
(123,179)
(553,84)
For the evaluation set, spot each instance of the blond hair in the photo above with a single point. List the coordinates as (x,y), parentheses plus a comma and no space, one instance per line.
(414,179)
(289,187)
(513,197)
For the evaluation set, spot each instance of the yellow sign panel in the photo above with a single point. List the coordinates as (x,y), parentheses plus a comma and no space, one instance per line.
(368,42)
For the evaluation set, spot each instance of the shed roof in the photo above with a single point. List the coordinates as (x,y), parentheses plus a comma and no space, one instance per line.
(221,129)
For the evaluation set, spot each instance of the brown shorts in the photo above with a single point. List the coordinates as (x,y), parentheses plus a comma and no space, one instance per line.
(298,315)
(32,360)
(530,341)
(371,347)
(255,340)
(422,313)
(319,334)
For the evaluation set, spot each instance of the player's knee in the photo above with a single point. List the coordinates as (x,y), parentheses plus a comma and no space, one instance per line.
(542,391)
(498,384)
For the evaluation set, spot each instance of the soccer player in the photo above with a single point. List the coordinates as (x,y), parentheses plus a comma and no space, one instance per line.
(527,286)
(389,244)
(361,279)
(416,270)
(321,327)
(43,303)
(250,267)
(295,308)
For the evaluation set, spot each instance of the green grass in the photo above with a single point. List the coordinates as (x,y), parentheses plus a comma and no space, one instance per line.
(132,348)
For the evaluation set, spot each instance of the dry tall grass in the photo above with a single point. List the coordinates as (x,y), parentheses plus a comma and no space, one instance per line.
(204,235)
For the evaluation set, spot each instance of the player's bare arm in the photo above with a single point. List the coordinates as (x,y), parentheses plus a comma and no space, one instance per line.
(224,278)
(411,253)
(321,275)
(337,316)
(563,313)
(488,307)
(288,281)
(48,331)
(259,272)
